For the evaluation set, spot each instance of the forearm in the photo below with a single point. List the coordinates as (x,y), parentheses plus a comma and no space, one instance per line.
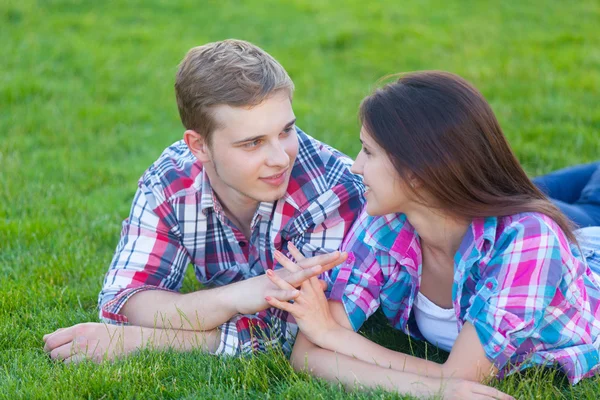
(202,310)
(354,345)
(353,373)
(181,340)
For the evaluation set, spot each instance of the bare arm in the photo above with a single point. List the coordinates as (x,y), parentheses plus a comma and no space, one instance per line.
(207,309)
(353,373)
(100,342)
(467,359)
(319,321)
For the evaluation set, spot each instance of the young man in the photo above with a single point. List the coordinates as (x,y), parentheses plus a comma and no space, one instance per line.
(243,183)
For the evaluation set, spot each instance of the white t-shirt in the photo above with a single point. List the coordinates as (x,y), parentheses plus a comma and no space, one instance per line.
(438,325)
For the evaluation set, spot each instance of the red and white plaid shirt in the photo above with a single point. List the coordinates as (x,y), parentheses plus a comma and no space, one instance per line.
(176,220)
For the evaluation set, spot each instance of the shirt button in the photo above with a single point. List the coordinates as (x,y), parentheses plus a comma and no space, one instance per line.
(242,244)
(496,348)
(489,285)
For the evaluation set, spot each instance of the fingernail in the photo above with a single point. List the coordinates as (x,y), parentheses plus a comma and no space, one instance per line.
(278,254)
(269,272)
(295,293)
(268,298)
(292,244)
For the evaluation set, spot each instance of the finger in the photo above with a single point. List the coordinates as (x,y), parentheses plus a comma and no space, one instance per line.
(316,285)
(63,352)
(76,358)
(298,256)
(323,285)
(282,305)
(279,282)
(321,259)
(47,335)
(58,338)
(492,393)
(342,257)
(297,278)
(284,295)
(286,262)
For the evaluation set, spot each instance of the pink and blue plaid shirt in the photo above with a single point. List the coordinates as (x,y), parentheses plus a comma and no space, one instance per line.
(176,220)
(517,280)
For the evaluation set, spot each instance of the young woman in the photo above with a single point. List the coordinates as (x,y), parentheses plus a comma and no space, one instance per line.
(457,246)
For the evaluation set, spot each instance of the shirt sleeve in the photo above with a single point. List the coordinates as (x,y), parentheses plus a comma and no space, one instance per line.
(358,282)
(322,226)
(149,255)
(516,287)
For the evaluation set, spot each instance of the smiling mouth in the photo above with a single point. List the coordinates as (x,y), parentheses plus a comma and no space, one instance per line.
(275,180)
(275,176)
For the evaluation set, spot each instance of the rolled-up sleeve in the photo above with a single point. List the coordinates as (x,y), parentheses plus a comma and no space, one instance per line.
(517,287)
(357,282)
(149,255)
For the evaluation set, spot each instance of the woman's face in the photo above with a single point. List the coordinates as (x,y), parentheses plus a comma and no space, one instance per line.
(386,191)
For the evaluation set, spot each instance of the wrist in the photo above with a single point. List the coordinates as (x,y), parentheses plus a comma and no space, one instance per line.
(328,338)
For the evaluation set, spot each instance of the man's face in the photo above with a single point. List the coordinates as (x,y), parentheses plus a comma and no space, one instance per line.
(254,150)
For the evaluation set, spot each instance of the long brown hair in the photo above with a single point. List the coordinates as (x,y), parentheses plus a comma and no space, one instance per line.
(439,128)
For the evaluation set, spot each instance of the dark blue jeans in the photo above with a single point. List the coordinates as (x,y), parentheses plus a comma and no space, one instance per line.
(576,191)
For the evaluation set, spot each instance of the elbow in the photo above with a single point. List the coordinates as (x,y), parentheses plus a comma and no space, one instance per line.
(301,353)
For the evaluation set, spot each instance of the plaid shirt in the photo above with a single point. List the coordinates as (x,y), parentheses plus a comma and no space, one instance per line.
(176,219)
(516,280)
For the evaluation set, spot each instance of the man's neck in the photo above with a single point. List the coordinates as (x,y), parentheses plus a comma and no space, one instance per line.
(240,209)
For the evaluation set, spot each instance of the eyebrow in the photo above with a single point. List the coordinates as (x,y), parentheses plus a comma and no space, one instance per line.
(253,138)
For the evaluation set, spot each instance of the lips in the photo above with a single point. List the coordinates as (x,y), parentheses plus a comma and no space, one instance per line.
(275,180)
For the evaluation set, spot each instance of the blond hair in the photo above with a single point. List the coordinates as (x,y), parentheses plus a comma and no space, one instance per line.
(231,72)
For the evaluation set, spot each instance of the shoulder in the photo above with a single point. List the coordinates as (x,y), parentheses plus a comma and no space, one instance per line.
(319,170)
(530,230)
(530,248)
(175,173)
(386,233)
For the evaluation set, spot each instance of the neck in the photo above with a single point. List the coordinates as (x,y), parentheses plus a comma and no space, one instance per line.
(439,232)
(239,208)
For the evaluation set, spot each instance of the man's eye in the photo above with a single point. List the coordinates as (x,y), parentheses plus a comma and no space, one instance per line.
(366,151)
(253,143)
(288,130)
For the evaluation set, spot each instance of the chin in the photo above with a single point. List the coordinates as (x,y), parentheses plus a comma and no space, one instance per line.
(374,211)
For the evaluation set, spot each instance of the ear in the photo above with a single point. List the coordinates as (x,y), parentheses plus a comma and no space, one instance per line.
(197,145)
(413,181)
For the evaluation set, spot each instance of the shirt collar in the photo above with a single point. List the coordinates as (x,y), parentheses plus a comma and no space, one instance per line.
(392,233)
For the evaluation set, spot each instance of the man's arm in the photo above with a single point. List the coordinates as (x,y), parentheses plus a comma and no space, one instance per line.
(207,309)
(149,265)
(99,342)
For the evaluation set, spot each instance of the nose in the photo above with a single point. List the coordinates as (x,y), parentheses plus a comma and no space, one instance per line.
(357,165)
(278,156)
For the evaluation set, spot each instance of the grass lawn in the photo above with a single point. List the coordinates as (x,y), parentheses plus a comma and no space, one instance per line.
(87,103)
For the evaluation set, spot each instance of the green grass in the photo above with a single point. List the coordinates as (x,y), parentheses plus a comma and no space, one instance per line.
(86,104)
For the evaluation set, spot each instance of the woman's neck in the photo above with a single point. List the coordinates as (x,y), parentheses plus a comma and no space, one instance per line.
(439,232)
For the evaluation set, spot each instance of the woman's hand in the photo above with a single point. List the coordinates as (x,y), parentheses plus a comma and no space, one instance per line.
(310,307)
(458,389)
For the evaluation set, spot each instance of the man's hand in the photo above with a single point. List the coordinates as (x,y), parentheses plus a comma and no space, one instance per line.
(100,342)
(93,341)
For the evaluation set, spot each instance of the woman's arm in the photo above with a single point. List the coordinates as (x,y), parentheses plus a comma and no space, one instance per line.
(353,373)
(467,359)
